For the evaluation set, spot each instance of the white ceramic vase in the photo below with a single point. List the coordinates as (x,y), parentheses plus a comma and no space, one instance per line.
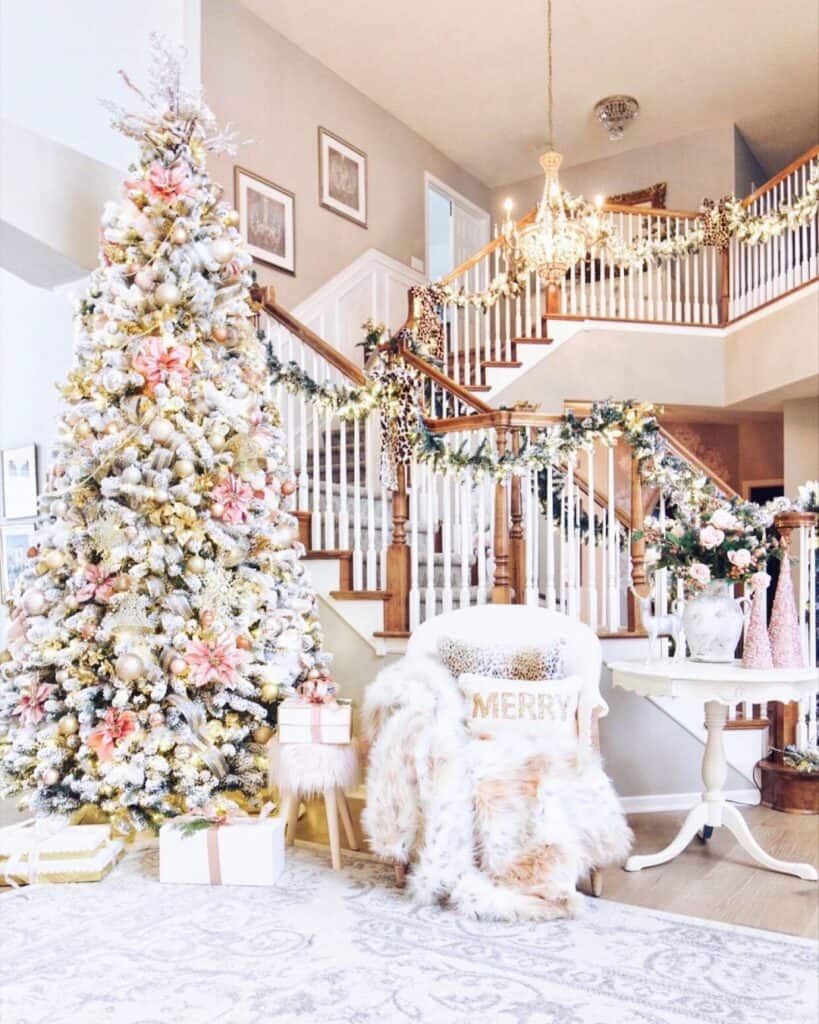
(713,622)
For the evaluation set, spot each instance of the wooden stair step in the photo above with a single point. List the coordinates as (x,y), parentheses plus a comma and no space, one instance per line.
(513,364)
(343,553)
(360,595)
(532,341)
(478,387)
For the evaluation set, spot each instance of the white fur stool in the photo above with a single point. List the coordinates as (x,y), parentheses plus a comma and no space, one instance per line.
(305,770)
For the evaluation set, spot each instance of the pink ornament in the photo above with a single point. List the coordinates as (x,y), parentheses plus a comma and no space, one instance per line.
(30,709)
(232,497)
(99,586)
(116,726)
(756,650)
(156,363)
(167,182)
(786,643)
(213,661)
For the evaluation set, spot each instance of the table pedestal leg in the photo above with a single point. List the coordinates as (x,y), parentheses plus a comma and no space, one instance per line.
(713,811)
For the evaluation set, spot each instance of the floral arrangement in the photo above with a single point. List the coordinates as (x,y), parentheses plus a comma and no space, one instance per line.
(726,542)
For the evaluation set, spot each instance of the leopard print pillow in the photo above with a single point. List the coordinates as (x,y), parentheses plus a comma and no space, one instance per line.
(502,661)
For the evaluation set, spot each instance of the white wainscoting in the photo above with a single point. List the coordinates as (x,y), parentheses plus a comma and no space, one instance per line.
(372,286)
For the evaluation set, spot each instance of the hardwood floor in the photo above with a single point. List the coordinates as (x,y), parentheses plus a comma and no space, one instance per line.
(719,881)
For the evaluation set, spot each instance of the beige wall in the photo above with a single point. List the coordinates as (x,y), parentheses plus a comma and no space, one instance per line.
(801,442)
(693,166)
(279,96)
(773,352)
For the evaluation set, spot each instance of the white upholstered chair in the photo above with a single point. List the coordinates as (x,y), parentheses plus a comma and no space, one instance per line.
(510,623)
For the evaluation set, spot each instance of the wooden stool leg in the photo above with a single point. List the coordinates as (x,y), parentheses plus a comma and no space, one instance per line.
(346,819)
(290,813)
(331,809)
(400,874)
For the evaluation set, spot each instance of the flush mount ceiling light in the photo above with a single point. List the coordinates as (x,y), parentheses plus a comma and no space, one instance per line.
(615,112)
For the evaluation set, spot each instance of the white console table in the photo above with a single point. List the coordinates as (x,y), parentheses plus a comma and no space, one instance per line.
(717,686)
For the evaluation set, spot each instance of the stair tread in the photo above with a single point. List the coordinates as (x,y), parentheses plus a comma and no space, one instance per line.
(360,595)
(532,341)
(314,553)
(478,387)
(502,363)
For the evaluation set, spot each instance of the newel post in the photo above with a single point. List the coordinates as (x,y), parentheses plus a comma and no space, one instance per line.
(396,607)
(501,583)
(725,286)
(639,577)
(517,538)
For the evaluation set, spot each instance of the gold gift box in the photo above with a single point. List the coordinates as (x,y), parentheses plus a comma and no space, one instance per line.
(75,853)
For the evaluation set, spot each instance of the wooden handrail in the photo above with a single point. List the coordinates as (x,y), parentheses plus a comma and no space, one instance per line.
(784,173)
(446,383)
(492,418)
(266,297)
(697,462)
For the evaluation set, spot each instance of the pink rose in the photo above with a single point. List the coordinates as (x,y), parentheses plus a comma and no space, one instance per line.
(699,573)
(710,537)
(723,519)
(741,558)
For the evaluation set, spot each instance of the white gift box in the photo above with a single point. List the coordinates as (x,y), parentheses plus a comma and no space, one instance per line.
(52,851)
(243,852)
(303,722)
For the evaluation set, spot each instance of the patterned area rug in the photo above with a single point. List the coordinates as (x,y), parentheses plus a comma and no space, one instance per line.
(348,948)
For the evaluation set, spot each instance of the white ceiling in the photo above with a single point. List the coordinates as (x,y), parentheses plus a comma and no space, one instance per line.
(468,75)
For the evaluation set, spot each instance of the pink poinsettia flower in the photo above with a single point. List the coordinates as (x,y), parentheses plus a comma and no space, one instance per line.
(116,726)
(99,586)
(30,707)
(232,499)
(156,363)
(168,183)
(213,660)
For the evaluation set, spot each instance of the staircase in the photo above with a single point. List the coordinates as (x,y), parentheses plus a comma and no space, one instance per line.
(386,561)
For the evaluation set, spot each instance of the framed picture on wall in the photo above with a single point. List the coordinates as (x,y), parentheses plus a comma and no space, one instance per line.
(267,219)
(15,540)
(342,178)
(20,482)
(652,197)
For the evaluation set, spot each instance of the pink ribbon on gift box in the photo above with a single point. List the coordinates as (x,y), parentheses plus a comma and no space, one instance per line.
(212,836)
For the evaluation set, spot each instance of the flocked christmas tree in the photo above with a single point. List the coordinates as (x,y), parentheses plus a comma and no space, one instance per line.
(165,605)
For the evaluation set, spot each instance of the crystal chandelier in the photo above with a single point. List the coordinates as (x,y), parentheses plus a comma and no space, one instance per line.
(563,229)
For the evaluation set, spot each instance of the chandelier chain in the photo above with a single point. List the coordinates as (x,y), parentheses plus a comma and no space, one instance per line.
(550,102)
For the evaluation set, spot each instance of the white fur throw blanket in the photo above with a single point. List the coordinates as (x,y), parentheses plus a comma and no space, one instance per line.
(499,828)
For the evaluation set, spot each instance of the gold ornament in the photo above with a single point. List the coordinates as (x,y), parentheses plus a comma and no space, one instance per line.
(196,564)
(82,429)
(184,468)
(68,725)
(262,733)
(54,559)
(269,692)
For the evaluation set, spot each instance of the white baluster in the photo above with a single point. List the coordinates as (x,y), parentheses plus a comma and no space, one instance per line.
(358,497)
(304,473)
(465,532)
(551,593)
(386,504)
(344,503)
(613,560)
(592,546)
(431,524)
(414,546)
(329,504)
(369,468)
(316,516)
(446,537)
(571,542)
(483,496)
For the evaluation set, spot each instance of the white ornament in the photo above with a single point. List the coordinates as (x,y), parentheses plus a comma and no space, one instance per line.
(131,475)
(222,250)
(161,430)
(51,777)
(184,468)
(145,279)
(33,601)
(166,294)
(129,667)
(59,508)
